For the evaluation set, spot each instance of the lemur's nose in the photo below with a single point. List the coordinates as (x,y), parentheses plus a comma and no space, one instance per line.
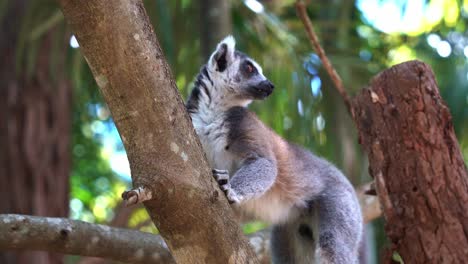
(262,89)
(267,86)
(271,86)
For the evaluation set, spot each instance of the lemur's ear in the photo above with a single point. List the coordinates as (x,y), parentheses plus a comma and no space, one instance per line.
(224,54)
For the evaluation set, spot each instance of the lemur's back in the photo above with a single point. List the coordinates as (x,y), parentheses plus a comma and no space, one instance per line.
(297,180)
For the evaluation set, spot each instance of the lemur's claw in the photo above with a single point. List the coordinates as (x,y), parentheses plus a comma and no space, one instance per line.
(222,177)
(220,171)
(232,196)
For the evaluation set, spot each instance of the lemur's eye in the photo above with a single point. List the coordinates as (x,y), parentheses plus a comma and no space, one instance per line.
(250,68)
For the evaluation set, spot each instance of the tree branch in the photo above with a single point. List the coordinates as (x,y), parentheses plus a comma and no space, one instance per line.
(99,242)
(165,155)
(80,238)
(122,214)
(73,237)
(302,13)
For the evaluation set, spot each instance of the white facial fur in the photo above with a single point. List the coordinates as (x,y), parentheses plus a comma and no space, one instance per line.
(229,84)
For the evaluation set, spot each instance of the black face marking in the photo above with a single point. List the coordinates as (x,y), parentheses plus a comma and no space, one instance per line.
(220,58)
(248,69)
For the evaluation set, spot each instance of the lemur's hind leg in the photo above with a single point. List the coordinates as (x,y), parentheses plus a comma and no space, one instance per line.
(339,227)
(294,242)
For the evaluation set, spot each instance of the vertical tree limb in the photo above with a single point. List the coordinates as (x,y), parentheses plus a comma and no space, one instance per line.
(420,175)
(414,157)
(165,156)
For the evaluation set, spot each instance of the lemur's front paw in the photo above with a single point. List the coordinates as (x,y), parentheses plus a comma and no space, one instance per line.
(222,177)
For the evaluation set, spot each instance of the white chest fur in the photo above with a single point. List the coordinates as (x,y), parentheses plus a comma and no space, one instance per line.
(212,131)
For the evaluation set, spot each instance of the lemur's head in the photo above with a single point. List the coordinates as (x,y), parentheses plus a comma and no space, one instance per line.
(237,77)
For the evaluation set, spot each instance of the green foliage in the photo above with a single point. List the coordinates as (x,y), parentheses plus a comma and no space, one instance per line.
(95,188)
(303,108)
(397,258)
(303,115)
(252,227)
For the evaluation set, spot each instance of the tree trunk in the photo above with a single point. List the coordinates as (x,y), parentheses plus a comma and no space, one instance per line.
(165,155)
(414,156)
(34,132)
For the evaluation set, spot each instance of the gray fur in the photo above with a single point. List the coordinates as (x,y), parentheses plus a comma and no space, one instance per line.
(254,177)
(312,205)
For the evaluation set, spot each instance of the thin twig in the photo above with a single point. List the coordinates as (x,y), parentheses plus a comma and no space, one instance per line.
(302,13)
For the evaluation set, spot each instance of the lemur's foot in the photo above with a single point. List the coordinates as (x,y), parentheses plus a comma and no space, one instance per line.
(222,177)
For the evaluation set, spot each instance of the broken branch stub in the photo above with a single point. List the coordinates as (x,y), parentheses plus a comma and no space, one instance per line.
(136,196)
(414,157)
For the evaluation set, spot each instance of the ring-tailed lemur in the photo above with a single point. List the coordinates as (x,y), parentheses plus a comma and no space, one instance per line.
(310,202)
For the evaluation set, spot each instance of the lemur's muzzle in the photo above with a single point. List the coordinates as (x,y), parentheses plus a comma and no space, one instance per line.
(264,89)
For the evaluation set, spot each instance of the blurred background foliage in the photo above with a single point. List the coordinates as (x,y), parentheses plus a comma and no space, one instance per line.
(361,37)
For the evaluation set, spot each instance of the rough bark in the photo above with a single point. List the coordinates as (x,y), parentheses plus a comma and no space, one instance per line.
(165,155)
(102,243)
(421,179)
(122,214)
(260,241)
(80,238)
(34,129)
(75,237)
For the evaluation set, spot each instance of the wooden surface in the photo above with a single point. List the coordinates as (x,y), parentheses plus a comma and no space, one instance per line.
(414,157)
(165,155)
